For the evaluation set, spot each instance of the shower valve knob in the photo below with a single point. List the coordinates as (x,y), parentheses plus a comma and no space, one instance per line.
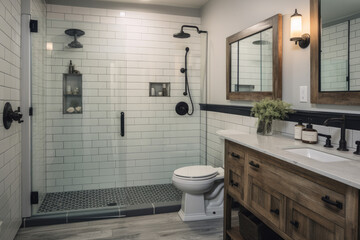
(183,70)
(9,115)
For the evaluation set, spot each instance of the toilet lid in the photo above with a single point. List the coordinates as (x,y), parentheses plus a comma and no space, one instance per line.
(196,172)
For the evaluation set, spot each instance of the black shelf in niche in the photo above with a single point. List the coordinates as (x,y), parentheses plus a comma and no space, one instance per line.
(72,94)
(159,89)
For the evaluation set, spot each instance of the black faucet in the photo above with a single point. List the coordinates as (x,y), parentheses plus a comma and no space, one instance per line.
(342,121)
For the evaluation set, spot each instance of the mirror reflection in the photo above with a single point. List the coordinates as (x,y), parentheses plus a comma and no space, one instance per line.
(340,45)
(252,63)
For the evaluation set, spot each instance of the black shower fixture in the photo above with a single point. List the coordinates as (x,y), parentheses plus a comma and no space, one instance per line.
(183,34)
(75,33)
(182,108)
(184,70)
(9,115)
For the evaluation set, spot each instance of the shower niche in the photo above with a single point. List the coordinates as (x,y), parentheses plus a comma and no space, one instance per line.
(159,89)
(72,93)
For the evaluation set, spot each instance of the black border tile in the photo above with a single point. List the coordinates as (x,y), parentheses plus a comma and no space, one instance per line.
(44,220)
(317,117)
(92,215)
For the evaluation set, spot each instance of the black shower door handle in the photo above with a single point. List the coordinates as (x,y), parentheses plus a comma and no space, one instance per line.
(122,124)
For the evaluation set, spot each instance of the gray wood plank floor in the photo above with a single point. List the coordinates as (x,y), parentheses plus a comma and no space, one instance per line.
(151,227)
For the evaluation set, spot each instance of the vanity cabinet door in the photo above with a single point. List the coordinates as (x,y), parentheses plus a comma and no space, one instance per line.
(236,183)
(234,170)
(303,223)
(266,201)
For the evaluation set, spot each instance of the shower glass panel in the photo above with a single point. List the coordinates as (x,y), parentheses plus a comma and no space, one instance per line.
(80,161)
(38,12)
(79,158)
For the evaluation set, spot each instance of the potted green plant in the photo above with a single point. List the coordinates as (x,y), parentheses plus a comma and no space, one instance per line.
(268,110)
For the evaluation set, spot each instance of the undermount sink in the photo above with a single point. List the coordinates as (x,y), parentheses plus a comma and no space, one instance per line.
(317,155)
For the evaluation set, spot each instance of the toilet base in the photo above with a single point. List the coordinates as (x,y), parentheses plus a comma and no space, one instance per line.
(203,206)
(198,217)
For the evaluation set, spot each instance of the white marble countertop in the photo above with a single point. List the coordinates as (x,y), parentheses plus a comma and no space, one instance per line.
(347,172)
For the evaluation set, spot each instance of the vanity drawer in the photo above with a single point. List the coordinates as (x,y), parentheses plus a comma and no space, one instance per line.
(305,191)
(236,183)
(304,224)
(234,154)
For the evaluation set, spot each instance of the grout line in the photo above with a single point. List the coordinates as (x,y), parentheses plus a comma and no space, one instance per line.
(153,208)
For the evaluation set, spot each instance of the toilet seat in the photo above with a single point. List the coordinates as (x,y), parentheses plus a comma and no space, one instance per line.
(196,173)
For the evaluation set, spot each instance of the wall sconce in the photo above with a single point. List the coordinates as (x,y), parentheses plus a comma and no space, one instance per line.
(296,31)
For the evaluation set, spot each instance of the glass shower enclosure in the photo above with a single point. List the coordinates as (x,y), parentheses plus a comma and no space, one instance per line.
(100,141)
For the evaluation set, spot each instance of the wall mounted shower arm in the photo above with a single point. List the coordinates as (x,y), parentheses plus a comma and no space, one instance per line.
(190,26)
(183,34)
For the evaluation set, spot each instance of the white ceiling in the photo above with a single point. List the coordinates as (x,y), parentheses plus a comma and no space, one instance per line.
(173,3)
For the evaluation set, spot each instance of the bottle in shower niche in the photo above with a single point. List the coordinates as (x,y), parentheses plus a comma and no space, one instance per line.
(164,90)
(71,68)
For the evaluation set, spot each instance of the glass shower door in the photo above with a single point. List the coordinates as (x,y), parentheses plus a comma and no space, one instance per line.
(78,146)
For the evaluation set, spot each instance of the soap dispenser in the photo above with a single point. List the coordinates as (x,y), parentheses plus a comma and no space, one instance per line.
(298,130)
(309,134)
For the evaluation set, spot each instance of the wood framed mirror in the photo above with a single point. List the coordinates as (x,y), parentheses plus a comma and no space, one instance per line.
(335,52)
(254,62)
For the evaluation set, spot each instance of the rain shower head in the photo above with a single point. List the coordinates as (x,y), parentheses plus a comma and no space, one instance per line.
(75,33)
(261,42)
(183,34)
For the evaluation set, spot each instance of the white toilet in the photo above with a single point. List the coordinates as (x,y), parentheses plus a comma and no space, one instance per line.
(203,192)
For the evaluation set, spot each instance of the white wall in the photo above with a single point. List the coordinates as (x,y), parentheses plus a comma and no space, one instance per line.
(10,152)
(226,17)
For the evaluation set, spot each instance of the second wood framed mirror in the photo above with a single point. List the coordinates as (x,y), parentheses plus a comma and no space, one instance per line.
(254,62)
(335,52)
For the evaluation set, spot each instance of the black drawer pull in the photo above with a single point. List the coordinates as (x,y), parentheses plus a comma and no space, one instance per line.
(254,164)
(295,223)
(235,155)
(337,204)
(275,211)
(234,184)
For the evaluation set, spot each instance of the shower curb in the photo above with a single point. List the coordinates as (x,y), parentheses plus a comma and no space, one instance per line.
(99,214)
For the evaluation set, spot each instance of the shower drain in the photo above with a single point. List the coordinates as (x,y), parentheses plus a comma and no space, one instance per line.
(112,204)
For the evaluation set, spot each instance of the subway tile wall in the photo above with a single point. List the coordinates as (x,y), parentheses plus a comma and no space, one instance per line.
(355,54)
(121,55)
(10,148)
(251,63)
(221,121)
(335,53)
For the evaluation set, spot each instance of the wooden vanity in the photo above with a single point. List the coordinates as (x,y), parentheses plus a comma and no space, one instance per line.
(294,202)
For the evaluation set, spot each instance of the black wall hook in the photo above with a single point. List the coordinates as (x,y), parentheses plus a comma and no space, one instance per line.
(9,115)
